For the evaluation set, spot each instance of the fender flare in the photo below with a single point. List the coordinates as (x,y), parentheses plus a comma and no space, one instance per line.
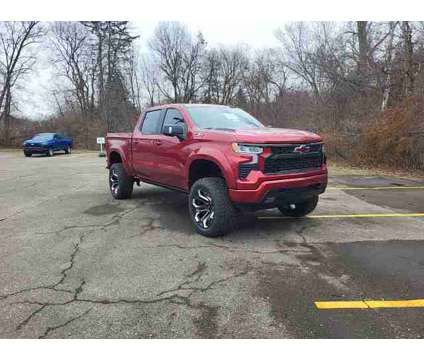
(218,159)
(123,158)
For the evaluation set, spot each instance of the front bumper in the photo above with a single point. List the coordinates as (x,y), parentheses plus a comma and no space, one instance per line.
(269,192)
(35,150)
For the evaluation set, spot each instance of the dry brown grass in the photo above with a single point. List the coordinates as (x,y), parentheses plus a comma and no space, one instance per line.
(395,139)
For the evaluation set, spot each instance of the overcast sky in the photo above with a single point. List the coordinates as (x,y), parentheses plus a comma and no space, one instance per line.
(34,97)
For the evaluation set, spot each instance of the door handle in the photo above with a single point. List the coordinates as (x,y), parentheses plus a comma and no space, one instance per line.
(157,142)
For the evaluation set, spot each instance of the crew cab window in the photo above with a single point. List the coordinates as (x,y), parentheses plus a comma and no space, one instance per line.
(172,117)
(151,123)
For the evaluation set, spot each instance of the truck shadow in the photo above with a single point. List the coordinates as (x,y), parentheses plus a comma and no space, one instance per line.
(172,208)
(38,156)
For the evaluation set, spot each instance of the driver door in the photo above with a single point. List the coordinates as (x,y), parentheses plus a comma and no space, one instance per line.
(170,152)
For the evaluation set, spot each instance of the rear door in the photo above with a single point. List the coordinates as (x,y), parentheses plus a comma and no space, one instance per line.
(144,144)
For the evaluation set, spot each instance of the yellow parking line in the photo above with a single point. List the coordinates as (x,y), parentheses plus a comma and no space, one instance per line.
(342,216)
(375,187)
(340,305)
(369,304)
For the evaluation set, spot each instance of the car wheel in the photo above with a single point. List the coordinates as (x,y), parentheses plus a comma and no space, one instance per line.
(120,183)
(68,150)
(299,209)
(27,154)
(50,152)
(211,210)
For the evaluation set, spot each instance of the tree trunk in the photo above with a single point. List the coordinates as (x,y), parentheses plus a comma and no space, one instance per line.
(387,87)
(363,51)
(408,63)
(6,117)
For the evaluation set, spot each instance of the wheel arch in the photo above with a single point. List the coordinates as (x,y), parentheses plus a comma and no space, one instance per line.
(204,165)
(117,156)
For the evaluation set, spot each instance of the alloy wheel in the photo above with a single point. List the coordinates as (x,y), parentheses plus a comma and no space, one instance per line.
(114,181)
(203,208)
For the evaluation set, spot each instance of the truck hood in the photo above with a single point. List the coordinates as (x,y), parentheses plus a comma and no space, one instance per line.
(275,135)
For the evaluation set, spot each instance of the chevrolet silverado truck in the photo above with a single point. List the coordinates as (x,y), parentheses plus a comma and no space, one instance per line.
(223,158)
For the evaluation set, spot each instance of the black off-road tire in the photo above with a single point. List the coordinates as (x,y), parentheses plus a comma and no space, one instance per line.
(224,218)
(68,150)
(120,183)
(302,208)
(27,154)
(50,152)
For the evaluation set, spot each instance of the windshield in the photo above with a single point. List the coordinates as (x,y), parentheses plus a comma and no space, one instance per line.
(225,118)
(43,137)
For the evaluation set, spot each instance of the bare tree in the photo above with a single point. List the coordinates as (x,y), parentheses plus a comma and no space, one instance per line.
(74,57)
(149,73)
(234,62)
(299,48)
(133,76)
(15,61)
(179,56)
(223,72)
(267,76)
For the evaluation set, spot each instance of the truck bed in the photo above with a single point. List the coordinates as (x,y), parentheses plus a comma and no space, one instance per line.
(122,143)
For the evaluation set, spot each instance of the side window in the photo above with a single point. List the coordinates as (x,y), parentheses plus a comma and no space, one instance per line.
(172,117)
(151,123)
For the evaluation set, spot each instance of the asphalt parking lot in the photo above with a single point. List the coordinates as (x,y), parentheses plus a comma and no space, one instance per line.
(74,263)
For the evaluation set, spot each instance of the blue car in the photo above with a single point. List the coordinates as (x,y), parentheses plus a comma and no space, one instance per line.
(47,143)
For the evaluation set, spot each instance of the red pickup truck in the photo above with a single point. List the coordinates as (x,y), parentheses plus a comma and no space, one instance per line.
(224,158)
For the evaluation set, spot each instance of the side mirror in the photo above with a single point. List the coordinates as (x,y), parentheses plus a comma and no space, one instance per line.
(174,130)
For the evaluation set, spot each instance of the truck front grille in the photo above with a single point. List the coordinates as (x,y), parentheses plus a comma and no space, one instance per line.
(290,149)
(245,169)
(285,159)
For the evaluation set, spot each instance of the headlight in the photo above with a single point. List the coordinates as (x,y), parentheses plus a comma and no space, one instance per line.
(247,149)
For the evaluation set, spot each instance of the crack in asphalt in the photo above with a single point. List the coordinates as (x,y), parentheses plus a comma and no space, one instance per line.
(50,329)
(64,273)
(28,318)
(201,267)
(182,285)
(38,204)
(115,220)
(175,298)
(150,226)
(219,246)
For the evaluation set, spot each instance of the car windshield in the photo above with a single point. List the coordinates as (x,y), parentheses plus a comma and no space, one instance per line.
(43,137)
(222,118)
